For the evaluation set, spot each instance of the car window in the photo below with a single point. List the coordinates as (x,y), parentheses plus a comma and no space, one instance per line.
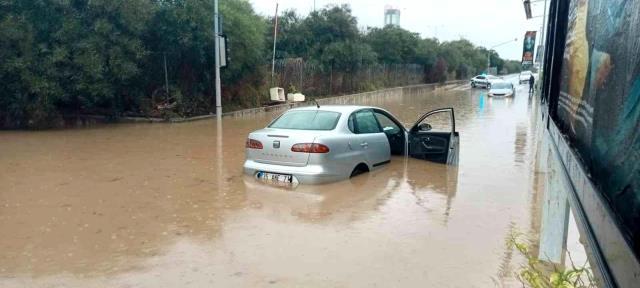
(440,122)
(307,120)
(366,122)
(352,128)
(480,77)
(388,126)
(501,86)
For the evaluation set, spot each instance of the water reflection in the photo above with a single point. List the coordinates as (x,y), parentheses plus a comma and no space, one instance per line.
(355,198)
(520,143)
(425,179)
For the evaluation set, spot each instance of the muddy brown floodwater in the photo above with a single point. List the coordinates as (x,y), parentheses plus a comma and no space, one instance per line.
(167,205)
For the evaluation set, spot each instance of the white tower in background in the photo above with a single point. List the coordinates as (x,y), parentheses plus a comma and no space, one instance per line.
(391,16)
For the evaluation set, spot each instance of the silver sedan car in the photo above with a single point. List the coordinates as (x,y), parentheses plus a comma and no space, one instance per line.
(316,144)
(502,89)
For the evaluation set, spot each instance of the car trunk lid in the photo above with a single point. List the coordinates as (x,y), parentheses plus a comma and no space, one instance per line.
(277,145)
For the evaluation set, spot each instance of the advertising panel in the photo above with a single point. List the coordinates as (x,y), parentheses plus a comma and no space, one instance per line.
(599,102)
(528,47)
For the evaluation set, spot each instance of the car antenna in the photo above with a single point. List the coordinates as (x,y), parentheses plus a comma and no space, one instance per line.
(314,101)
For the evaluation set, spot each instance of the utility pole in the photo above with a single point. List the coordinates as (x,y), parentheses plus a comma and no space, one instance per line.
(275,38)
(166,78)
(488,60)
(216,28)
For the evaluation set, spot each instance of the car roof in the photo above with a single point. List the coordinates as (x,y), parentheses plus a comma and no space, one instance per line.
(346,109)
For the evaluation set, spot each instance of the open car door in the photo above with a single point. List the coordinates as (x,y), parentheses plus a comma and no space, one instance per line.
(433,137)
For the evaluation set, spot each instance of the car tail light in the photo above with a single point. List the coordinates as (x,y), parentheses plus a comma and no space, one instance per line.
(253,144)
(310,148)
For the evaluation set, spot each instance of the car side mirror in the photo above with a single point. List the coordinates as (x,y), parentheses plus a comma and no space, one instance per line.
(424,127)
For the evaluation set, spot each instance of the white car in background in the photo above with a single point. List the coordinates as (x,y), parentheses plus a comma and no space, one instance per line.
(502,89)
(484,81)
(524,77)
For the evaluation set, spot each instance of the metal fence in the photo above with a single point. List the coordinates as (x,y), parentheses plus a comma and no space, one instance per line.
(316,80)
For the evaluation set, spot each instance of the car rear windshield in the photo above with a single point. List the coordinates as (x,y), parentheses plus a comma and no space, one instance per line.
(501,86)
(307,120)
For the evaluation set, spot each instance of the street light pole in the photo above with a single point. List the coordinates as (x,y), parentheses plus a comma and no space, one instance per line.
(488,60)
(542,30)
(216,32)
(495,46)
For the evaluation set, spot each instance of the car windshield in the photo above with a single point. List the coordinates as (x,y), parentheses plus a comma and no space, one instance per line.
(307,120)
(501,86)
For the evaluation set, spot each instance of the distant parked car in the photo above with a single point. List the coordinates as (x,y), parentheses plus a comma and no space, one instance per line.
(331,143)
(479,81)
(484,81)
(502,89)
(524,77)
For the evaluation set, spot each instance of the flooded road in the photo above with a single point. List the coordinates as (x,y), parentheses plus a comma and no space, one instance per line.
(168,206)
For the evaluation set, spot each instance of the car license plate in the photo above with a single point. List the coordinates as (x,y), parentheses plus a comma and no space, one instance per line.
(274,177)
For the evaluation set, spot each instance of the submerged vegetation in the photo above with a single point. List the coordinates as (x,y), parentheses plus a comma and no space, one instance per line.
(108,57)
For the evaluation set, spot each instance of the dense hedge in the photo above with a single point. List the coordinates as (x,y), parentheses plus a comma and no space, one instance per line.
(62,58)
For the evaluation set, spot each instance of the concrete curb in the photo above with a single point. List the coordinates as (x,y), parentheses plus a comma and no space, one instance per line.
(284,106)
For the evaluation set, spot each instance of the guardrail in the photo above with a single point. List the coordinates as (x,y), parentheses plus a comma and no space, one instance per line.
(342,98)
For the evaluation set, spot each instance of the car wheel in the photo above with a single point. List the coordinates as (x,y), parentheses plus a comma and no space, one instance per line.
(473,85)
(360,169)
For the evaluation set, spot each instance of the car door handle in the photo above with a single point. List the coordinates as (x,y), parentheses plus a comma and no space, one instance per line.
(364,144)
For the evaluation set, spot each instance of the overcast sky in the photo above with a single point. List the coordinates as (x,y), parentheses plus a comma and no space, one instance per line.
(484,23)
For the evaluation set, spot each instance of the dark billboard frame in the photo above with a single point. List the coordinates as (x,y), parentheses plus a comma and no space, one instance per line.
(613,259)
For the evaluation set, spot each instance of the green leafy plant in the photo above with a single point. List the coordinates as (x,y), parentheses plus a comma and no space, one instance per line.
(539,274)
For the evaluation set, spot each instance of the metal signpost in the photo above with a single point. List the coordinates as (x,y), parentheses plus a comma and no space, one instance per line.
(216,28)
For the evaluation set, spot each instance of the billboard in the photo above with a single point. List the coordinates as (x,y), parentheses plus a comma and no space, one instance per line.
(598,106)
(528,47)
